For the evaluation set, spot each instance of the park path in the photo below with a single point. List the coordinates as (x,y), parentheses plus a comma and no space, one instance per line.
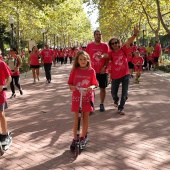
(41,125)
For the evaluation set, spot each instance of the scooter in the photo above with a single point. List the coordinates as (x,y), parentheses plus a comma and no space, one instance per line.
(79,147)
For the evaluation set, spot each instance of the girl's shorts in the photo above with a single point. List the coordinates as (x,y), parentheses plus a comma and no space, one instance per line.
(34,66)
(3,106)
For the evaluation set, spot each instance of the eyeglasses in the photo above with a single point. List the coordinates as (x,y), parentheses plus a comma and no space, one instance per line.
(113,43)
(11,50)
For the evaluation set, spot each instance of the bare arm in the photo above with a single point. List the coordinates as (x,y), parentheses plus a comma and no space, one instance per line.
(131,39)
(8,80)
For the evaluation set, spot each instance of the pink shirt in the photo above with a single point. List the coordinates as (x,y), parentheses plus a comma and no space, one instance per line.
(157,50)
(84,79)
(34,59)
(93,50)
(5,72)
(47,55)
(119,64)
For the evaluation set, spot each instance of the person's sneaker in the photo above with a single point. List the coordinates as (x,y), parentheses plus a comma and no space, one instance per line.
(21,92)
(13,95)
(38,78)
(5,139)
(115,104)
(102,109)
(34,81)
(121,112)
(136,81)
(49,81)
(72,146)
(82,142)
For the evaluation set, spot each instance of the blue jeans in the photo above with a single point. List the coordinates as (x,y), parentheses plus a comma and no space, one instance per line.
(115,87)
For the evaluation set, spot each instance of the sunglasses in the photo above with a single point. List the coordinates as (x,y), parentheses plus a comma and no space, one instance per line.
(113,43)
(11,50)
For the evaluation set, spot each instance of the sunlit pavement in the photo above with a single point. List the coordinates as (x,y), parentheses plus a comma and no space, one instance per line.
(41,126)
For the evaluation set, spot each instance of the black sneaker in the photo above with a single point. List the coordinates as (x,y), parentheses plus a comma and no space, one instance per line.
(21,92)
(115,104)
(5,139)
(102,109)
(72,146)
(0,137)
(82,142)
(13,95)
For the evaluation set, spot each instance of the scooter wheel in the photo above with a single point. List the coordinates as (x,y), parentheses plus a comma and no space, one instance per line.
(77,150)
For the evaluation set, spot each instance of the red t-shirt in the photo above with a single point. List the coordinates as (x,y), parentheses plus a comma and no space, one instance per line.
(1,58)
(150,57)
(93,50)
(157,50)
(82,79)
(138,60)
(119,64)
(130,54)
(5,72)
(34,60)
(47,55)
(142,51)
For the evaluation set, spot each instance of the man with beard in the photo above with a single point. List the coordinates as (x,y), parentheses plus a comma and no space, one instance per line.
(95,48)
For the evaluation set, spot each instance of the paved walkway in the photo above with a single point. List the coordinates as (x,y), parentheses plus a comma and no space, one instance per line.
(41,125)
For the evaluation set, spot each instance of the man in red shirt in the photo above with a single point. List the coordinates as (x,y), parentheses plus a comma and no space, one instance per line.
(100,65)
(47,59)
(157,54)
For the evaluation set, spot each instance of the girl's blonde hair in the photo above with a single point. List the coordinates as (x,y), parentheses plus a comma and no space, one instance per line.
(81,53)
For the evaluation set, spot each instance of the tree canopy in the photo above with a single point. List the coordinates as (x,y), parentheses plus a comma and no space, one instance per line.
(118,18)
(63,19)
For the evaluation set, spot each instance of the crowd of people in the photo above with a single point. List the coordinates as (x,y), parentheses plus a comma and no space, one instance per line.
(93,66)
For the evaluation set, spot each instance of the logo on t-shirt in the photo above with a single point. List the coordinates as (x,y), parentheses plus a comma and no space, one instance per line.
(96,56)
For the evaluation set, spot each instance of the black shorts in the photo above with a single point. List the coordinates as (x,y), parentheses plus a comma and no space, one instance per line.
(156,59)
(130,64)
(3,106)
(102,80)
(34,66)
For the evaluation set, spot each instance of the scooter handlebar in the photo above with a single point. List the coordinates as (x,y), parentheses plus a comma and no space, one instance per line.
(4,89)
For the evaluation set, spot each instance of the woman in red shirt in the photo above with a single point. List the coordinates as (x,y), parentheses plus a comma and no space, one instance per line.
(33,61)
(119,69)
(14,63)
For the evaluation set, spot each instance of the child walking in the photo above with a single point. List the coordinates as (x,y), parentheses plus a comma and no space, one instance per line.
(138,64)
(5,79)
(82,75)
(150,60)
